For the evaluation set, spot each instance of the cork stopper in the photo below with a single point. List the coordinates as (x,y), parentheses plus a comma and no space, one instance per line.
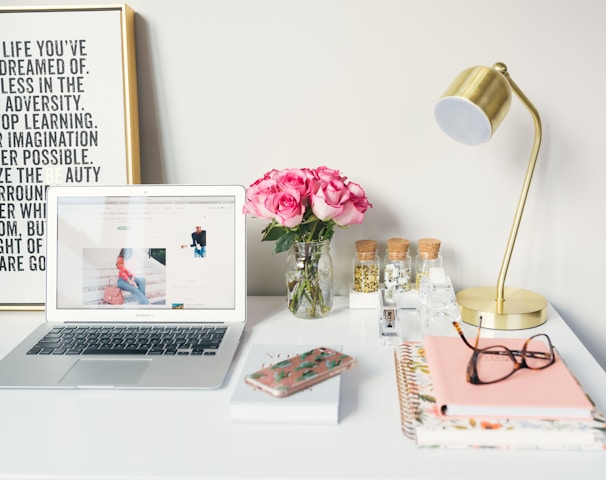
(429,248)
(397,248)
(366,249)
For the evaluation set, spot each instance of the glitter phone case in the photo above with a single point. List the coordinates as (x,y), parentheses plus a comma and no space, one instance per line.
(300,371)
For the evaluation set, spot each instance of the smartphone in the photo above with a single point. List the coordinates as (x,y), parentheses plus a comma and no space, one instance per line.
(300,371)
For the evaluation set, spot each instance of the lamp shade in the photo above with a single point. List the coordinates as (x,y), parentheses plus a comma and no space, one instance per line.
(473,106)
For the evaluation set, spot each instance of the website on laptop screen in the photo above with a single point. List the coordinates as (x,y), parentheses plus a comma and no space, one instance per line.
(160,252)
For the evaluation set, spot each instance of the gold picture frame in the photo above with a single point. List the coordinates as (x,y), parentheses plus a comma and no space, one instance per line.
(68,115)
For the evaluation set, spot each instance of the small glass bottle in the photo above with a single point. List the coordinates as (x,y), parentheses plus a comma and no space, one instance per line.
(437,304)
(366,267)
(396,273)
(428,256)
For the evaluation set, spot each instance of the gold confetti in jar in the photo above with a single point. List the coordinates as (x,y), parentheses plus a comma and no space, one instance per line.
(366,267)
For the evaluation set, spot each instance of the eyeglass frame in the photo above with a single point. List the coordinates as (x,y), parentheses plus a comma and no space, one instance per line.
(472,373)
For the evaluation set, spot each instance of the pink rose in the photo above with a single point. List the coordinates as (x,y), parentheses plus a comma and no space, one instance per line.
(257,195)
(354,208)
(325,175)
(270,174)
(327,202)
(286,206)
(296,179)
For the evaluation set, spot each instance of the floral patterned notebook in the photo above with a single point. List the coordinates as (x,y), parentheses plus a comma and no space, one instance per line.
(421,422)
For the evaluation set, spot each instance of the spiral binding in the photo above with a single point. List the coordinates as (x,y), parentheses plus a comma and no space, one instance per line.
(408,389)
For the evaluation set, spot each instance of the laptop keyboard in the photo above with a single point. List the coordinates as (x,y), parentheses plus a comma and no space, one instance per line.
(125,340)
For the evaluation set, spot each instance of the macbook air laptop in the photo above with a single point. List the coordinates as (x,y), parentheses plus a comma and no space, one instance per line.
(146,288)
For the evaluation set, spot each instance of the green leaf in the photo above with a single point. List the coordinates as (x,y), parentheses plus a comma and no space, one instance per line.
(284,242)
(273,231)
(306,365)
(306,374)
(282,364)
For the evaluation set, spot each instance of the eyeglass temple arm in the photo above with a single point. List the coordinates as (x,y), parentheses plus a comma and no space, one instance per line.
(514,352)
(461,334)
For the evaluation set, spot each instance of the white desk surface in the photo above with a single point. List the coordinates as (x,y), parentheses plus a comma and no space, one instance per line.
(188,434)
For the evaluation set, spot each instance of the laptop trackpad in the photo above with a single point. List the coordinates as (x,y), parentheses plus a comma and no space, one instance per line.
(105,372)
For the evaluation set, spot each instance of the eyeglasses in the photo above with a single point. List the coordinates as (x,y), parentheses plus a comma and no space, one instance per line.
(497,362)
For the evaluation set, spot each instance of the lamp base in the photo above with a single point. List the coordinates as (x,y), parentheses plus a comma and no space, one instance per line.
(522,308)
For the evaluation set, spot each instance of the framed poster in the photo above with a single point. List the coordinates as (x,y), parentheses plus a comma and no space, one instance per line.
(68,115)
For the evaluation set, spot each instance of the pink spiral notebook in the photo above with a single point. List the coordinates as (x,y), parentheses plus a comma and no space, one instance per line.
(549,393)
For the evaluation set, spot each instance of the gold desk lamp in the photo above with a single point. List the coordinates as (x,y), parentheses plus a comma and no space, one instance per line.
(469,111)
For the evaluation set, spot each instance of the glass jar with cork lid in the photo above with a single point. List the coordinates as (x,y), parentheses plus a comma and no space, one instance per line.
(397,266)
(366,267)
(428,256)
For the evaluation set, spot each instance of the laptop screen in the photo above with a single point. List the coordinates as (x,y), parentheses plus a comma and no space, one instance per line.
(164,250)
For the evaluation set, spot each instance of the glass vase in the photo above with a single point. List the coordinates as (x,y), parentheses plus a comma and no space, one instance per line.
(309,279)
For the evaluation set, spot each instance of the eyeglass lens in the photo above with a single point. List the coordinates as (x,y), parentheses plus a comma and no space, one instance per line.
(497,362)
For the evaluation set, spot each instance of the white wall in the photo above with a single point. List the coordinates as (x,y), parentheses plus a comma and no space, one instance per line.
(230,89)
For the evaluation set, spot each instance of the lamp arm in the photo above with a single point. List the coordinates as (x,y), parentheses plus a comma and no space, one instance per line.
(526,186)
